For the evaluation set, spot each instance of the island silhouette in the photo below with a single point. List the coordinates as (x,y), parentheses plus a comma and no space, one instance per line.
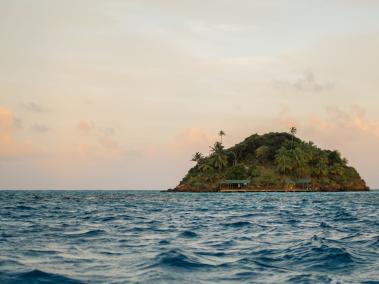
(276,161)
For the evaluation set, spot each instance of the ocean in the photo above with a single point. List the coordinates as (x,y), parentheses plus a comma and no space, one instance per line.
(155,237)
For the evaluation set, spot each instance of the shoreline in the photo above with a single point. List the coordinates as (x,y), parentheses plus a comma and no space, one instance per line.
(265,190)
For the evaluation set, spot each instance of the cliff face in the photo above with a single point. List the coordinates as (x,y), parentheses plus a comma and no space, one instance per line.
(273,161)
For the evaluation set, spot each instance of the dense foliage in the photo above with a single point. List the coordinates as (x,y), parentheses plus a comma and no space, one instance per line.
(270,161)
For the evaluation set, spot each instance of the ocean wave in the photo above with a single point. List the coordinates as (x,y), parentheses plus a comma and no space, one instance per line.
(23,207)
(312,278)
(238,224)
(163,242)
(320,254)
(90,233)
(36,277)
(176,258)
(188,234)
(325,225)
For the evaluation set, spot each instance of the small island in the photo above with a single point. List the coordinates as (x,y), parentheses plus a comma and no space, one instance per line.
(278,162)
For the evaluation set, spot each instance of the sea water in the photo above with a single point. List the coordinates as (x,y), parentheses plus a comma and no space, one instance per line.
(153,237)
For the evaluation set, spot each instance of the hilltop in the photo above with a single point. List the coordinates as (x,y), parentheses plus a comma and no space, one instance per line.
(271,162)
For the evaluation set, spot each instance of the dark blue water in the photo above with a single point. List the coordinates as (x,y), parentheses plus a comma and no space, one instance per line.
(152,237)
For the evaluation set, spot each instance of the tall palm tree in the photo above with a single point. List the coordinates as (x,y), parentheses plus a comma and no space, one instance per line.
(221,133)
(293,132)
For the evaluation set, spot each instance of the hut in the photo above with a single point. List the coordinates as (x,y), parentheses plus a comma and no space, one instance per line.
(234,184)
(302,183)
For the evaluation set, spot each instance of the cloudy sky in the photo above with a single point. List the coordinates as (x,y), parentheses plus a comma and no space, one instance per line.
(119,94)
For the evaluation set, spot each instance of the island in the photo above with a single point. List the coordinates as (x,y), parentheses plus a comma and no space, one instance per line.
(279,162)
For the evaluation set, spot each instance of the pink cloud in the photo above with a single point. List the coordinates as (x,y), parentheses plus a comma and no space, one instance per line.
(96,143)
(93,150)
(110,146)
(9,146)
(351,121)
(318,122)
(285,118)
(192,139)
(195,135)
(85,126)
(7,123)
(354,119)
(83,149)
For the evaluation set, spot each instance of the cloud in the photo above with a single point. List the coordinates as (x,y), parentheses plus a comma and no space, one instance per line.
(191,140)
(90,127)
(285,117)
(305,81)
(40,128)
(85,126)
(18,123)
(110,145)
(108,131)
(194,136)
(7,124)
(9,146)
(354,119)
(97,148)
(32,107)
(350,121)
(97,142)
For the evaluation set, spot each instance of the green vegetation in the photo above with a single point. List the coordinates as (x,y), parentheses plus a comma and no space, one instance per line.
(269,161)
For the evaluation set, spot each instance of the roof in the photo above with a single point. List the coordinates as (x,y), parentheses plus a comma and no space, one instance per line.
(236,181)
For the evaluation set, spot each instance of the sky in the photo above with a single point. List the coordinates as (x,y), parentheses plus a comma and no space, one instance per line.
(119,94)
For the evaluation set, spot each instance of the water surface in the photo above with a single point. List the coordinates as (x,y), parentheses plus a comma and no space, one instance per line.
(153,237)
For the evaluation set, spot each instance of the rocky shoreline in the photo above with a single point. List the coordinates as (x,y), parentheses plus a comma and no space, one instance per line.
(267,190)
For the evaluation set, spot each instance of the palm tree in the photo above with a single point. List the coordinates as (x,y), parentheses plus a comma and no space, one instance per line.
(293,131)
(197,157)
(205,167)
(262,153)
(219,158)
(235,154)
(300,161)
(217,148)
(221,133)
(336,170)
(219,161)
(284,161)
(320,165)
